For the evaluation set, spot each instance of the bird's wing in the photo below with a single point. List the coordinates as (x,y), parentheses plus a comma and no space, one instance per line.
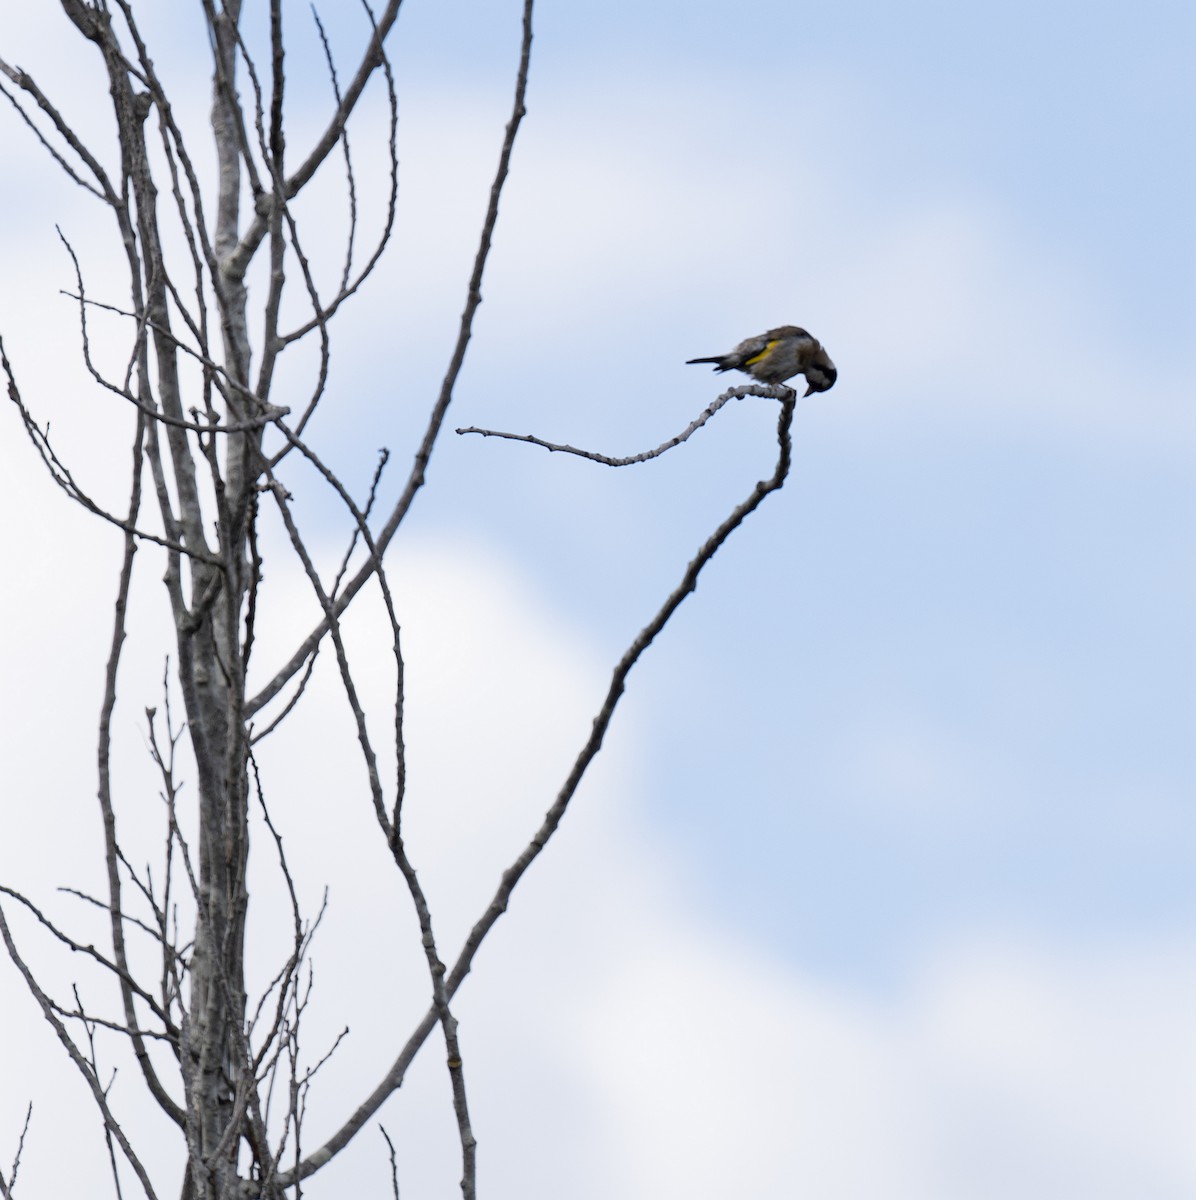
(792,331)
(751,349)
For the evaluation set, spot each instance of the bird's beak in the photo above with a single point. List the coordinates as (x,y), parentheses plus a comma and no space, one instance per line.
(808,390)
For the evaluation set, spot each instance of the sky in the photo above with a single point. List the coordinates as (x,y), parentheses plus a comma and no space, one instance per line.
(882,886)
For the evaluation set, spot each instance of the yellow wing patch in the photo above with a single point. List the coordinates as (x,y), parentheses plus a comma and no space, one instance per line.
(751,362)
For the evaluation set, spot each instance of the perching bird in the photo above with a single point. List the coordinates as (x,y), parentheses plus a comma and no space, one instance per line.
(778,355)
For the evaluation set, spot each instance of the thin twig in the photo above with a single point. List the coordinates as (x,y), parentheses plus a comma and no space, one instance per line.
(238,262)
(333,592)
(6,1188)
(394,1166)
(269,412)
(735,393)
(122,973)
(25,82)
(128,918)
(99,1094)
(60,474)
(391,828)
(350,178)
(93,1059)
(349,289)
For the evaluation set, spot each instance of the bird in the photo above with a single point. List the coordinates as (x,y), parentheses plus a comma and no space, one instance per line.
(778,355)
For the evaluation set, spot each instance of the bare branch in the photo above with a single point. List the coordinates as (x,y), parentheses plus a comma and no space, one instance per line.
(359,526)
(292,964)
(91,1021)
(128,918)
(350,178)
(227,40)
(93,1060)
(25,82)
(440,1004)
(6,1188)
(416,478)
(392,830)
(99,1094)
(66,481)
(89,951)
(394,1166)
(350,688)
(143,323)
(348,289)
(194,229)
(225,381)
(735,393)
(238,262)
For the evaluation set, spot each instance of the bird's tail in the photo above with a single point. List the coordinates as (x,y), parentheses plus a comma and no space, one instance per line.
(717,360)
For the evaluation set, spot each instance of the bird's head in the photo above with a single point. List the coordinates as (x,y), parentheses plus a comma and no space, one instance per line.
(821,375)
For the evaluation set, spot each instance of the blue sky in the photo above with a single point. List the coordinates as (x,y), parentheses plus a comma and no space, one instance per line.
(901,805)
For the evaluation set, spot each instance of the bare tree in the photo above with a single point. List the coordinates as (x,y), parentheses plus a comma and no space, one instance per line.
(211,445)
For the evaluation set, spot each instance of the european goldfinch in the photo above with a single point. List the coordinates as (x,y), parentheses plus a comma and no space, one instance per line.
(778,355)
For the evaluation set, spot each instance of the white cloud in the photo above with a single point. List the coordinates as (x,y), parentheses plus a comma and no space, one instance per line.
(1063,1065)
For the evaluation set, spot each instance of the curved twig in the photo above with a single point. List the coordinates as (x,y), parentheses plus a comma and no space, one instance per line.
(348,289)
(62,476)
(735,393)
(25,82)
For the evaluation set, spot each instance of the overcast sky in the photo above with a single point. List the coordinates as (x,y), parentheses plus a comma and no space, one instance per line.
(884,884)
